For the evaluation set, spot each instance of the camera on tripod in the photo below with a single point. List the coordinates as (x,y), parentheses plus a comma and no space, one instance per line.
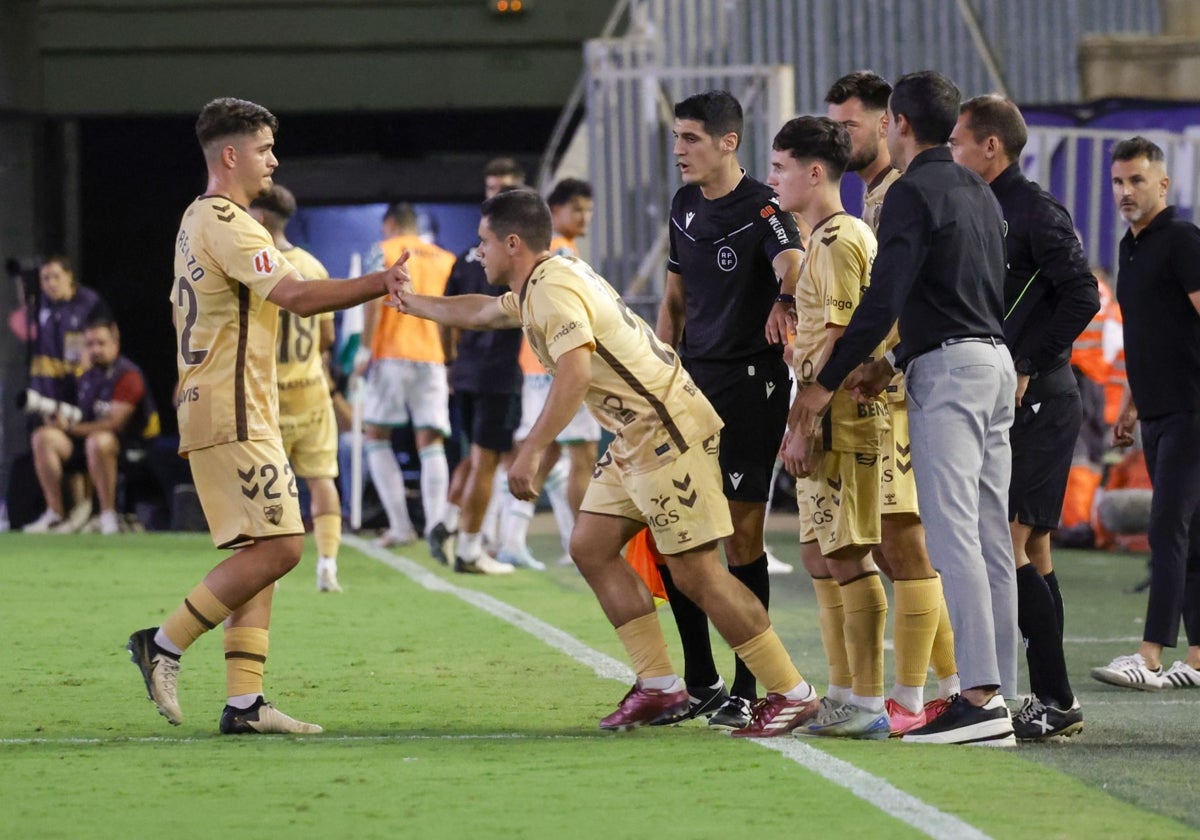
(34,403)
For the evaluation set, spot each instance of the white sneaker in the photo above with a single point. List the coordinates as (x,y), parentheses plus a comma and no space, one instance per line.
(327,575)
(566,560)
(775,566)
(42,525)
(390,539)
(521,558)
(109,523)
(482,565)
(1131,672)
(1181,675)
(76,519)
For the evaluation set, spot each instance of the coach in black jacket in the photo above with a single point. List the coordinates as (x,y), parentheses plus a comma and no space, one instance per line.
(1050,296)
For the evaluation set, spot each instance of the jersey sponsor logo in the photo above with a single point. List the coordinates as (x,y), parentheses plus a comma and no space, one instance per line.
(687,218)
(767,212)
(564,331)
(727,258)
(736,479)
(263,264)
(835,303)
(777,227)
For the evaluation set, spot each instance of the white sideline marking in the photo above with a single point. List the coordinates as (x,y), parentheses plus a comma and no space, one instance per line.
(872,789)
(312,739)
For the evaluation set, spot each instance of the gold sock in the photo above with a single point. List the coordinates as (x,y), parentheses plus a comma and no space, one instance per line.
(831,617)
(865,605)
(327,530)
(199,613)
(941,658)
(918,605)
(647,649)
(768,660)
(245,659)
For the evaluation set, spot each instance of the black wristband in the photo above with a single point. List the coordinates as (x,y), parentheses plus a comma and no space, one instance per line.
(782,298)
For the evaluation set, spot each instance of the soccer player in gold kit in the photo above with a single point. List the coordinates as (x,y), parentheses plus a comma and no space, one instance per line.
(230,282)
(660,471)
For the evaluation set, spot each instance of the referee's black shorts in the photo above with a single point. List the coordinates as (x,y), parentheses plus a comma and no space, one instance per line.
(1043,443)
(490,420)
(753,399)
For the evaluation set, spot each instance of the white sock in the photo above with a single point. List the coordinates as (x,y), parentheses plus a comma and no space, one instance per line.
(327,563)
(771,490)
(668,683)
(450,517)
(871,704)
(911,697)
(160,639)
(491,517)
(838,693)
(514,525)
(802,691)
(556,491)
(948,687)
(469,546)
(435,483)
(389,484)
(242,701)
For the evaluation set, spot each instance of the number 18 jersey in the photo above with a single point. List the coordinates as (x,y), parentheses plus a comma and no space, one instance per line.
(639,390)
(225,266)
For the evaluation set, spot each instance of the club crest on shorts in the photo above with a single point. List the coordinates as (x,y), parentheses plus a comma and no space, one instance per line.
(274,513)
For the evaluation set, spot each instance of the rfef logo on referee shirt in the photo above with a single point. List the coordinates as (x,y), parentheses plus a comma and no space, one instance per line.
(726,258)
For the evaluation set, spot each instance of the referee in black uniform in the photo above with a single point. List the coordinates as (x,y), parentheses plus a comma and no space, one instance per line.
(731,276)
(1158,288)
(1050,297)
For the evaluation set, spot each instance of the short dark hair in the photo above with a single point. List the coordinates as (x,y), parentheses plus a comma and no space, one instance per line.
(523,212)
(567,189)
(929,101)
(866,85)
(717,110)
(402,214)
(228,116)
(63,261)
(1136,147)
(504,166)
(277,201)
(818,138)
(993,115)
(102,320)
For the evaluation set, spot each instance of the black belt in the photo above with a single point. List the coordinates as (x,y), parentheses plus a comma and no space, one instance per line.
(982,339)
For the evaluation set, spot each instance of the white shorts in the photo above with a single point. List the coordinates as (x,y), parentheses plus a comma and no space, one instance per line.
(399,392)
(534,391)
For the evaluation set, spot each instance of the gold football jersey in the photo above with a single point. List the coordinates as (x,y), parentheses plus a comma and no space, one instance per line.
(873,200)
(837,270)
(639,390)
(225,266)
(299,366)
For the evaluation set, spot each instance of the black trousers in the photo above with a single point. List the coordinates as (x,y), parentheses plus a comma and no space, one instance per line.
(1172,445)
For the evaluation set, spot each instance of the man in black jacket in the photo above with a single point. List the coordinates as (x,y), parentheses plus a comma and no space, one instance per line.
(1050,297)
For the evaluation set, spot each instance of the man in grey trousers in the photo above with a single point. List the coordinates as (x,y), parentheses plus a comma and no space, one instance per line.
(941,269)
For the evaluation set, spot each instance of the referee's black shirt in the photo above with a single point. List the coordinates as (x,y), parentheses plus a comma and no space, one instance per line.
(486,362)
(940,266)
(1158,268)
(723,249)
(1050,295)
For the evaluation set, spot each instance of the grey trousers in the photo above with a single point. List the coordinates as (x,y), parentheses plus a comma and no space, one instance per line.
(961,406)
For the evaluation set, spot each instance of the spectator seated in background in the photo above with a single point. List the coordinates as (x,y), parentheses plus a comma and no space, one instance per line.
(117,414)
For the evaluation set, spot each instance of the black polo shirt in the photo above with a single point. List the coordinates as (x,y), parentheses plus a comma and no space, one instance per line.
(940,266)
(1050,295)
(1157,270)
(723,249)
(487,359)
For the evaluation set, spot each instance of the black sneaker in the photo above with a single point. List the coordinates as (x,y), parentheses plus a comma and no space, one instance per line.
(703,701)
(263,719)
(989,725)
(733,715)
(1037,722)
(438,537)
